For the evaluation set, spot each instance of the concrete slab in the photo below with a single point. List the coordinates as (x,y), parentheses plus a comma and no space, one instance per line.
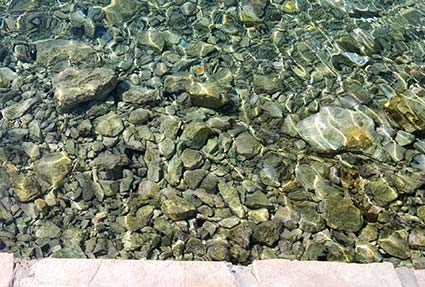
(244,276)
(420,277)
(407,277)
(105,273)
(285,273)
(6,269)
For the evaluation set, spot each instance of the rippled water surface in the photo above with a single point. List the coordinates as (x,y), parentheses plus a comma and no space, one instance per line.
(213,130)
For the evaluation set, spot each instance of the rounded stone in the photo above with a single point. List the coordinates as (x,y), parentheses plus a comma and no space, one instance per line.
(109,125)
(247,145)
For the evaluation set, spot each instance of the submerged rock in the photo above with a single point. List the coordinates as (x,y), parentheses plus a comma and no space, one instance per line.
(334,128)
(26,188)
(247,145)
(52,168)
(231,197)
(408,110)
(6,77)
(341,214)
(208,95)
(178,208)
(109,125)
(395,243)
(57,54)
(76,86)
(196,134)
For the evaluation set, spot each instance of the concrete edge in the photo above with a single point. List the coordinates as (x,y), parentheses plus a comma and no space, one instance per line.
(53,272)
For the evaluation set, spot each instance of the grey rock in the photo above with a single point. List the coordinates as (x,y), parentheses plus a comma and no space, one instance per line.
(6,77)
(17,110)
(191,158)
(247,145)
(109,125)
(196,134)
(57,54)
(76,86)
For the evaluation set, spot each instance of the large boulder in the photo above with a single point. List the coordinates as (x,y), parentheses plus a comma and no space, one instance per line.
(335,128)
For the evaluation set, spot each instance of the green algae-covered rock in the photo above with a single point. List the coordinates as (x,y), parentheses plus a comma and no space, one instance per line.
(417,238)
(178,208)
(231,197)
(266,84)
(310,219)
(109,125)
(395,243)
(26,188)
(196,134)
(241,234)
(191,158)
(408,109)
(341,214)
(383,194)
(257,200)
(267,232)
(52,168)
(48,230)
(367,253)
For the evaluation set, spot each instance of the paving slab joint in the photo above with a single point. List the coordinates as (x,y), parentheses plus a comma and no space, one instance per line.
(22,271)
(244,276)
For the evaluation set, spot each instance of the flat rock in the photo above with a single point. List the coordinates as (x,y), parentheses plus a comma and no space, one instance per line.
(76,86)
(109,125)
(57,54)
(17,110)
(334,128)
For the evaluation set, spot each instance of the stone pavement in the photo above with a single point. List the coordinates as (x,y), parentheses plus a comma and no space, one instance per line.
(52,272)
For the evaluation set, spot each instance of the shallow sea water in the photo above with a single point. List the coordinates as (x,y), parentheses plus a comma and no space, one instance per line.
(213,130)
